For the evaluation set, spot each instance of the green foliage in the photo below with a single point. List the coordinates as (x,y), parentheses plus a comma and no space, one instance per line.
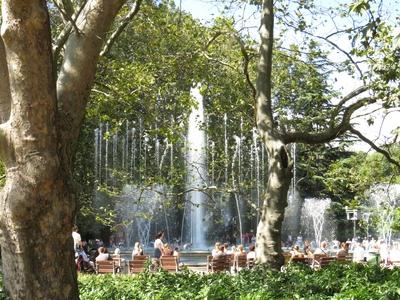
(3,295)
(351,177)
(2,174)
(298,282)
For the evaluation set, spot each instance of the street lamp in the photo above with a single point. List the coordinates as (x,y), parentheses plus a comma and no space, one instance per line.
(352,215)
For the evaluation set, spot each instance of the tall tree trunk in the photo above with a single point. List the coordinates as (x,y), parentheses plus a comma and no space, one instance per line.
(36,143)
(268,250)
(268,246)
(36,206)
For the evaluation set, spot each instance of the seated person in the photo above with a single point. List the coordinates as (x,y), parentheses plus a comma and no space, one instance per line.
(252,253)
(296,252)
(323,249)
(308,252)
(216,249)
(176,253)
(82,261)
(240,250)
(359,253)
(167,251)
(137,250)
(226,249)
(343,251)
(103,254)
(220,251)
(117,252)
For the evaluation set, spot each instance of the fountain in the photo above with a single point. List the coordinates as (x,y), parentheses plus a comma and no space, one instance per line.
(136,161)
(196,173)
(385,198)
(314,210)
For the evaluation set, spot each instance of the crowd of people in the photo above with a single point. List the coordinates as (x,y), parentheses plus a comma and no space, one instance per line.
(224,249)
(359,250)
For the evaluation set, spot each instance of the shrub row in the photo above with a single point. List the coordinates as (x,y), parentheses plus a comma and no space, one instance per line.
(333,282)
(298,282)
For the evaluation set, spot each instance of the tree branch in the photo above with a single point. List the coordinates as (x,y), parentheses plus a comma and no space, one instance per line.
(64,34)
(332,131)
(66,9)
(66,13)
(128,18)
(246,62)
(326,39)
(78,68)
(385,153)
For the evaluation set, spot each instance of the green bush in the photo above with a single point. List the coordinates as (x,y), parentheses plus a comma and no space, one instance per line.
(298,282)
(338,282)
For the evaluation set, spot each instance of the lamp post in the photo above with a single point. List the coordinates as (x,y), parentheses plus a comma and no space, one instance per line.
(352,215)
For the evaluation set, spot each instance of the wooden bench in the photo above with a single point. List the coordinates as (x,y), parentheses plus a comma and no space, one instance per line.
(325,261)
(118,263)
(169,263)
(344,259)
(137,265)
(299,260)
(241,261)
(219,263)
(286,256)
(105,267)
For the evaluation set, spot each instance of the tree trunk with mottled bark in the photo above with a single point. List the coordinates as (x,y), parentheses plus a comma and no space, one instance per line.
(268,246)
(43,113)
(268,250)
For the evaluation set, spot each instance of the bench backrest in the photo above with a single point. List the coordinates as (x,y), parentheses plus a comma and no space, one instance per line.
(137,265)
(299,259)
(105,266)
(141,257)
(324,261)
(117,259)
(169,263)
(344,259)
(218,263)
(241,260)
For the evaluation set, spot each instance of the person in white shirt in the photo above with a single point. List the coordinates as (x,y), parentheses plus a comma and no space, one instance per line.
(137,250)
(216,249)
(251,254)
(358,253)
(76,237)
(323,249)
(158,245)
(103,254)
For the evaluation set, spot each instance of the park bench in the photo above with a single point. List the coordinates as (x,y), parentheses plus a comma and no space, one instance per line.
(299,260)
(105,267)
(219,263)
(118,263)
(137,265)
(241,261)
(326,260)
(169,263)
(344,259)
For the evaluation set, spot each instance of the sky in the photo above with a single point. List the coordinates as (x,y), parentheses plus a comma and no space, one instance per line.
(384,124)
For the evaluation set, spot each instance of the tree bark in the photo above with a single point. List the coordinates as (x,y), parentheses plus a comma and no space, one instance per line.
(268,246)
(36,207)
(5,97)
(36,144)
